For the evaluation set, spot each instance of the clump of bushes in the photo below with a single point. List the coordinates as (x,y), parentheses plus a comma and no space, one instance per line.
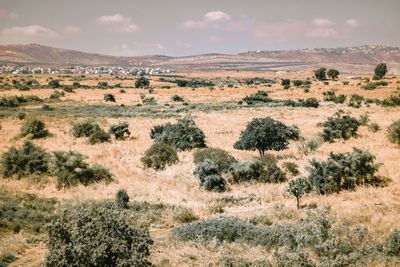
(331,96)
(57,94)
(99,136)
(142,82)
(256,170)
(391,101)
(159,155)
(109,98)
(120,131)
(257,97)
(70,169)
(344,171)
(177,98)
(183,135)
(309,146)
(27,160)
(35,128)
(339,126)
(393,132)
(95,236)
(219,156)
(209,175)
(392,243)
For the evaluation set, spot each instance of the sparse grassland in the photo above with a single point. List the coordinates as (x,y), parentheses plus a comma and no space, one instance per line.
(168,198)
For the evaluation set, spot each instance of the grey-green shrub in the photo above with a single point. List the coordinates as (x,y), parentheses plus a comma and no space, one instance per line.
(177,98)
(26,160)
(344,171)
(392,243)
(122,199)
(208,173)
(120,131)
(109,98)
(70,169)
(99,136)
(339,126)
(95,236)
(217,155)
(183,135)
(393,132)
(35,128)
(159,155)
(84,128)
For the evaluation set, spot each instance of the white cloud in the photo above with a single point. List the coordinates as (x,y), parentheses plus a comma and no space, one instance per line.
(136,49)
(183,44)
(13,16)
(27,34)
(118,23)
(216,16)
(321,32)
(352,23)
(8,15)
(319,22)
(212,19)
(72,30)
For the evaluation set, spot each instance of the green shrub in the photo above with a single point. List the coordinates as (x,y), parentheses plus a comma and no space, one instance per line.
(297,83)
(380,71)
(122,199)
(21,115)
(393,132)
(392,243)
(95,236)
(344,171)
(177,98)
(120,131)
(373,127)
(54,84)
(331,96)
(35,128)
(333,74)
(208,173)
(70,169)
(27,160)
(339,126)
(356,100)
(142,82)
(391,101)
(57,94)
(219,156)
(287,86)
(369,86)
(311,102)
(99,136)
(255,170)
(109,98)
(183,135)
(84,128)
(298,187)
(293,133)
(257,97)
(320,74)
(263,134)
(285,82)
(291,167)
(159,155)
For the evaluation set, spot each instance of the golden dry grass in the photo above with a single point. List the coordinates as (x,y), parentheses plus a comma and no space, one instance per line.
(377,208)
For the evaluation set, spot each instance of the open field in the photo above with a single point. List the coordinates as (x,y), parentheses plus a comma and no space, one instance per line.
(216,112)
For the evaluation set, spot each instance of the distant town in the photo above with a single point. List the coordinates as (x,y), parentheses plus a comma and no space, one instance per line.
(104,70)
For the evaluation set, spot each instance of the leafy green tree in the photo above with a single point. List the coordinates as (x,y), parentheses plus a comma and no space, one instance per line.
(263,134)
(333,74)
(380,71)
(298,187)
(320,74)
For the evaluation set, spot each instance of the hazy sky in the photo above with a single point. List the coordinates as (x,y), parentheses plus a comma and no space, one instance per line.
(184,27)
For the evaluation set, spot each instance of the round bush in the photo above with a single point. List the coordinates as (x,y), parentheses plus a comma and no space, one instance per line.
(120,131)
(159,155)
(84,128)
(109,97)
(35,127)
(208,173)
(95,236)
(99,136)
(393,132)
(217,155)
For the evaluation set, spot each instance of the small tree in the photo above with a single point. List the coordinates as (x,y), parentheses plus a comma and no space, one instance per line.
(380,71)
(333,74)
(320,74)
(263,134)
(298,187)
(142,82)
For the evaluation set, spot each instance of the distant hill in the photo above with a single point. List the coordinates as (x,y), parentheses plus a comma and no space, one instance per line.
(350,59)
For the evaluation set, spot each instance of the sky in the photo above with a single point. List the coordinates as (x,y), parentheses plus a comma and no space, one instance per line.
(187,27)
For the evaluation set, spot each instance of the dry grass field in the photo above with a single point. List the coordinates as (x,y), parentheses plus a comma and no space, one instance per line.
(378,208)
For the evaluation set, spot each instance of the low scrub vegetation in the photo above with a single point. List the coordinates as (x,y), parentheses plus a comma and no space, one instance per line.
(183,135)
(339,126)
(120,131)
(393,132)
(219,156)
(159,155)
(34,128)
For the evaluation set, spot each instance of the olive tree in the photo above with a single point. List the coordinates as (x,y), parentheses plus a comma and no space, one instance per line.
(263,134)
(380,71)
(298,187)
